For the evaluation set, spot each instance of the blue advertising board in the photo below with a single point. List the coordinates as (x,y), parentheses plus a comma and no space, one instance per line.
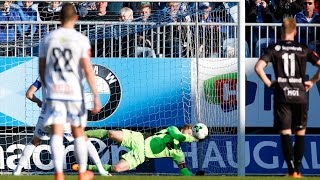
(263,156)
(216,155)
(135,92)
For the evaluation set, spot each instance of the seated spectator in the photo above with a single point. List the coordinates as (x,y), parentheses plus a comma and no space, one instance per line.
(173,10)
(173,34)
(308,15)
(259,12)
(26,13)
(126,14)
(126,33)
(27,33)
(287,8)
(7,32)
(145,32)
(101,14)
(100,36)
(145,12)
(51,12)
(208,33)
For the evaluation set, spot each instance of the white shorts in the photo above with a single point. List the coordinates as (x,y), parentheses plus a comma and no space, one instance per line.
(63,112)
(44,133)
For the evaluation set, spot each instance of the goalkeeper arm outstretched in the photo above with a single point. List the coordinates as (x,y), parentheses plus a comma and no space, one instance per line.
(185,135)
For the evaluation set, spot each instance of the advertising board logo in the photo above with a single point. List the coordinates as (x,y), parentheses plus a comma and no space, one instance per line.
(109,91)
(222,90)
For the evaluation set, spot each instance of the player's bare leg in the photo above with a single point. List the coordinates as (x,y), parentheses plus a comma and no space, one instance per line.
(81,152)
(121,166)
(56,144)
(26,154)
(115,135)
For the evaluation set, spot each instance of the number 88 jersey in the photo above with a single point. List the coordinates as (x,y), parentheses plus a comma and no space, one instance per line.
(289,60)
(63,49)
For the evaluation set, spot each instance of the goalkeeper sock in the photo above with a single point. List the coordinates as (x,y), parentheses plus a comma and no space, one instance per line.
(57,149)
(23,161)
(95,156)
(81,153)
(107,167)
(94,168)
(98,133)
(185,172)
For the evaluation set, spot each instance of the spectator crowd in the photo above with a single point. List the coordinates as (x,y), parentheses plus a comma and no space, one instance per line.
(273,11)
(143,29)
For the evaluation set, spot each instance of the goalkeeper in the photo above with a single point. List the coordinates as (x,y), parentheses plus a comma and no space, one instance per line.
(165,143)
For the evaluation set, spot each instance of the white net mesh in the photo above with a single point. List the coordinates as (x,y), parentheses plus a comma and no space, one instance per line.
(178,67)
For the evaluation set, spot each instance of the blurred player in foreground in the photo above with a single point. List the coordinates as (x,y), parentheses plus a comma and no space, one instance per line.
(163,144)
(289,60)
(64,64)
(41,133)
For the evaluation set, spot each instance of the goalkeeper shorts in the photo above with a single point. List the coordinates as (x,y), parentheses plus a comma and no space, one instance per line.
(135,142)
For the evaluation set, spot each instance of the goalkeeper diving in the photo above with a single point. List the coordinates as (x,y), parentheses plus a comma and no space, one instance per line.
(163,144)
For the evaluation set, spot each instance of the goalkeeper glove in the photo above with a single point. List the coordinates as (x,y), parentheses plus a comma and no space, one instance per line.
(185,172)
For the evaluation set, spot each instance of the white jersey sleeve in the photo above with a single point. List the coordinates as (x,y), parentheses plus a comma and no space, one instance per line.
(86,53)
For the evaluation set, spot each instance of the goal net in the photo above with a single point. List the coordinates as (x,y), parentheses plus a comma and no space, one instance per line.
(177,66)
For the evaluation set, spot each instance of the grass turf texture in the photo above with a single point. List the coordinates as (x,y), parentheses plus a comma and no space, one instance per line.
(97,177)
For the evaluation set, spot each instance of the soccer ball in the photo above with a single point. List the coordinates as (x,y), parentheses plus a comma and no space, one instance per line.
(200,131)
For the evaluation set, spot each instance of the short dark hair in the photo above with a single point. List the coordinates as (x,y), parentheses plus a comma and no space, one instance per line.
(144,6)
(187,126)
(68,12)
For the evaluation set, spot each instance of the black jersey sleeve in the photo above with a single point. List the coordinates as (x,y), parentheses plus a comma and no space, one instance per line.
(267,55)
(313,57)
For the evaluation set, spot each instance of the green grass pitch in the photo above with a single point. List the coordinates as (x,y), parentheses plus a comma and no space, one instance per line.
(97,177)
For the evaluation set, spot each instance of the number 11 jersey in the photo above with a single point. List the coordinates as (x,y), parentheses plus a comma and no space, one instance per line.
(63,49)
(289,60)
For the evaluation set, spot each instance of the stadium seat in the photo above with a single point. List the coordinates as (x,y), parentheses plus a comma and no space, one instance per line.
(228,47)
(262,44)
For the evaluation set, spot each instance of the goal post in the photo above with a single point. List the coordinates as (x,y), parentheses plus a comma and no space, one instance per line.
(242,89)
(185,70)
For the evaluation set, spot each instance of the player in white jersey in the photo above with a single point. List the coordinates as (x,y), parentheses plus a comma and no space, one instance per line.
(64,61)
(41,133)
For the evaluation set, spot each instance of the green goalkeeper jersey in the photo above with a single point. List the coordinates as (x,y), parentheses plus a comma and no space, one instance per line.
(166,143)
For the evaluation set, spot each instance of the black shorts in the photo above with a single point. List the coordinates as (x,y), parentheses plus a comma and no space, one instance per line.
(290,116)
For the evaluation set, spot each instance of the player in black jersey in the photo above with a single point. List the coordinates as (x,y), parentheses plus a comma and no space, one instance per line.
(289,60)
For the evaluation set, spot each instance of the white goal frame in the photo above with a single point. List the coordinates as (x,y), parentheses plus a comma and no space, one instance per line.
(241,73)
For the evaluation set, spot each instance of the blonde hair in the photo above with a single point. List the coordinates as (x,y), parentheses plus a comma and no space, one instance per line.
(289,25)
(126,10)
